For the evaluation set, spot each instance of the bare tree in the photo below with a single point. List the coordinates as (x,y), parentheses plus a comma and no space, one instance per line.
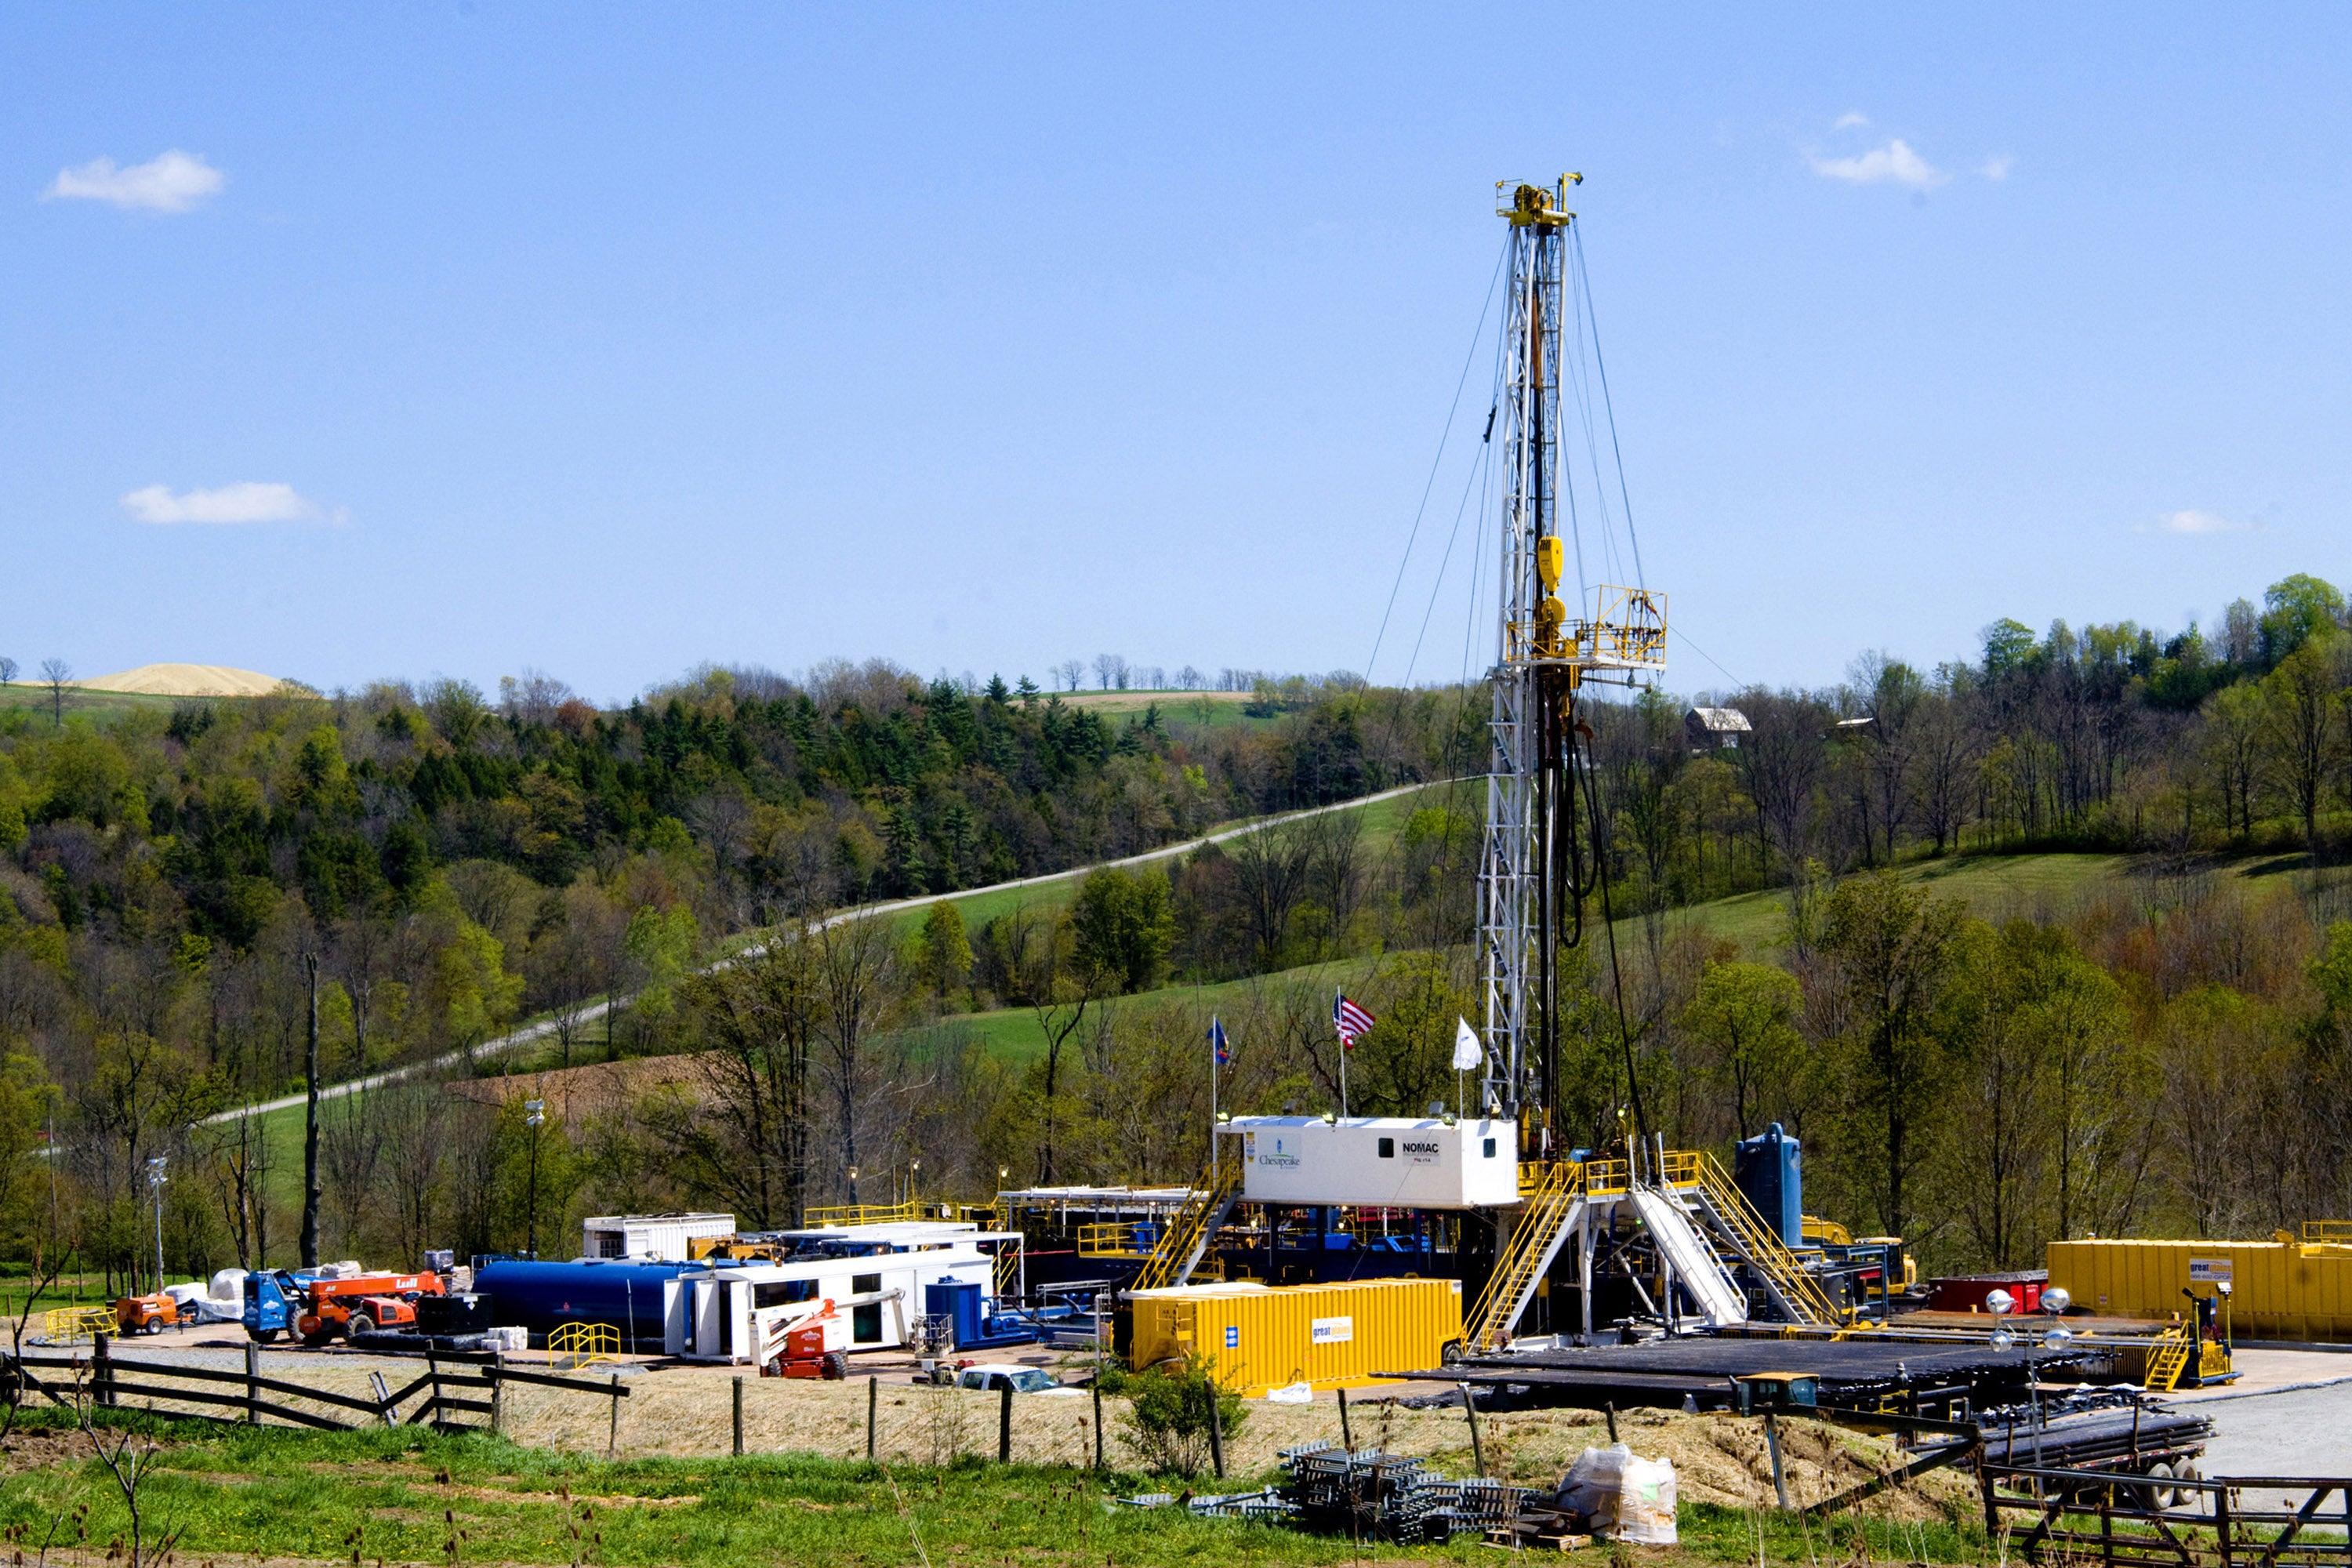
(860,992)
(1070,672)
(1780,764)
(743,1137)
(56,675)
(8,670)
(1274,867)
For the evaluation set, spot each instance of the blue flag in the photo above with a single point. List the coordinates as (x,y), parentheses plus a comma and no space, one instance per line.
(1217,1038)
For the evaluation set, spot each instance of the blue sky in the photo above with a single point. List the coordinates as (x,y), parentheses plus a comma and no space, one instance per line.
(611,340)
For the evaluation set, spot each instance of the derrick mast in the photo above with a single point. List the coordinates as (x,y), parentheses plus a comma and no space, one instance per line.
(1534,867)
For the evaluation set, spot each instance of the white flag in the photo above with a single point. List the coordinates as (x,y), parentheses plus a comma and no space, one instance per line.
(1467,1053)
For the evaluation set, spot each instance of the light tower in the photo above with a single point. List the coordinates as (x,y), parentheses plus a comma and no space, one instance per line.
(1533,871)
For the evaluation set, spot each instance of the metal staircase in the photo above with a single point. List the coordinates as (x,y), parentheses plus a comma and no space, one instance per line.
(1189,1231)
(2167,1358)
(1798,1294)
(1547,1211)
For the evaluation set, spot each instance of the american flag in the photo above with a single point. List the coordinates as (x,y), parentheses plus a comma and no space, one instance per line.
(1352,1021)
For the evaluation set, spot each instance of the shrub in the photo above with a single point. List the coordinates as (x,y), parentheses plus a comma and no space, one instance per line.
(1168,1419)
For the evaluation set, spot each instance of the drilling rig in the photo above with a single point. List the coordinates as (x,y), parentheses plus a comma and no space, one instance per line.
(1543,841)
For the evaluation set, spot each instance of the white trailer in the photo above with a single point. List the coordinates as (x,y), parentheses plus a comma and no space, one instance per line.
(662,1238)
(1376,1162)
(713,1316)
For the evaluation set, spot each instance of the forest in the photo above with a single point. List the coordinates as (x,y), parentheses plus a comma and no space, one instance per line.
(197,904)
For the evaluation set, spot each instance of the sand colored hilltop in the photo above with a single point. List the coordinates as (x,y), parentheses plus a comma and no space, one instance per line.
(185,680)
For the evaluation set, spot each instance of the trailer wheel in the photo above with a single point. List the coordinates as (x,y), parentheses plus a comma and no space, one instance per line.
(152,1326)
(361,1323)
(1451,1356)
(2159,1492)
(836,1365)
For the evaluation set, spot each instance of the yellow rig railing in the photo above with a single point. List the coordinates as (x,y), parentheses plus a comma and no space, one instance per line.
(576,1345)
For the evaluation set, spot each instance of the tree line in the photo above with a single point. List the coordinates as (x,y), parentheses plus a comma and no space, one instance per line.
(192,901)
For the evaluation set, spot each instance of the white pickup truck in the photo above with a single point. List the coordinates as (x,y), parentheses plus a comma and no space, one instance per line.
(1020,1379)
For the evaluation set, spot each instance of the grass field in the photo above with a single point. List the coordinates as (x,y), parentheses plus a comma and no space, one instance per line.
(1383,821)
(99,705)
(1994,887)
(405,1495)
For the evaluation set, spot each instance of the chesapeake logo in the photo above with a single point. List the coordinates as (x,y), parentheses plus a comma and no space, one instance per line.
(1280,1151)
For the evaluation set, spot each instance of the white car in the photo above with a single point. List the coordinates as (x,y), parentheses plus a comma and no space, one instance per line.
(1019,1379)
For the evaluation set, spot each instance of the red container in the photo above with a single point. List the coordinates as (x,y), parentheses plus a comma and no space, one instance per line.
(1967,1292)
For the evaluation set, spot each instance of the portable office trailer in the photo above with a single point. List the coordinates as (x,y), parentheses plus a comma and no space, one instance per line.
(707,1315)
(1257,1337)
(660,1236)
(1382,1162)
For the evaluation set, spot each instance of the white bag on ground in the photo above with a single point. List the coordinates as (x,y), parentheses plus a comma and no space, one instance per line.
(1622,1496)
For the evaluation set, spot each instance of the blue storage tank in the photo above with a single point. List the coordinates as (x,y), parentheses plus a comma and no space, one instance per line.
(541,1297)
(1769,1170)
(957,1300)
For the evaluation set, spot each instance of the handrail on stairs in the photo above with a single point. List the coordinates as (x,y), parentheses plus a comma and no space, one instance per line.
(1799,1290)
(1545,1210)
(1183,1234)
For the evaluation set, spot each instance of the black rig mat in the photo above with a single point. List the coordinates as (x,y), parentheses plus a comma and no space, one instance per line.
(1702,1368)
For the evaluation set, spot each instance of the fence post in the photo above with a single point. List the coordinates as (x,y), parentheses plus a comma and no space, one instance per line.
(1216,1428)
(1099,1465)
(432,1411)
(1004,1425)
(383,1398)
(252,1383)
(497,1391)
(1347,1440)
(873,1399)
(1470,1414)
(613,1439)
(102,1369)
(739,1414)
(1772,1445)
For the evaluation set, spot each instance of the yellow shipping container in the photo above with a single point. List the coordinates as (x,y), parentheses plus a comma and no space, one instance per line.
(2278,1290)
(1257,1337)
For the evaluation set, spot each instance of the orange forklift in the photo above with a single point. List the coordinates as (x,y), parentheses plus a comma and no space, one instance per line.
(321,1309)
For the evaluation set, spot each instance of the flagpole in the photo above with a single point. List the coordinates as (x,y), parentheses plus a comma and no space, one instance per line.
(1212,1100)
(1338,997)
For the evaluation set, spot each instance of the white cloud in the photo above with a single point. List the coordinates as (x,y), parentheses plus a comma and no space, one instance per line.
(2194,521)
(1851,118)
(1894,163)
(245,502)
(1995,168)
(173,183)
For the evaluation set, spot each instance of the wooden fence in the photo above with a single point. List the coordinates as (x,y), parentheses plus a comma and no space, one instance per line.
(2081,1516)
(451,1389)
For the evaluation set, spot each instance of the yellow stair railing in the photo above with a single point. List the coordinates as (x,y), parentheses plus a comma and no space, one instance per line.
(63,1325)
(2167,1358)
(1542,1213)
(1185,1234)
(1798,1291)
(575,1345)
